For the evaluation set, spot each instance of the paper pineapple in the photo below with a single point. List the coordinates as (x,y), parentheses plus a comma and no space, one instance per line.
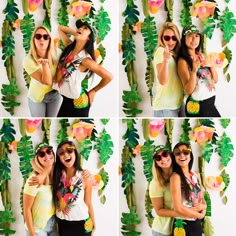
(81,101)
(179,228)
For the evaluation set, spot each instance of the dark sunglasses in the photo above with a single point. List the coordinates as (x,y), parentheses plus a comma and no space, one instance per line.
(184,151)
(39,36)
(158,157)
(68,150)
(42,154)
(167,38)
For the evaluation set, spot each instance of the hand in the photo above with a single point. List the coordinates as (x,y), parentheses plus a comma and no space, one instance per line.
(42,61)
(91,95)
(37,180)
(196,63)
(166,54)
(86,174)
(199,207)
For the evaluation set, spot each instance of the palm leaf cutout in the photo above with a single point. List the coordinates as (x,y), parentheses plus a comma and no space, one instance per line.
(25,6)
(62,132)
(225,149)
(210,123)
(46,124)
(148,207)
(145,124)
(7,131)
(131,13)
(226,179)
(5,168)
(104,146)
(149,77)
(229,56)
(185,16)
(11,12)
(6,217)
(8,46)
(227,24)
(149,32)
(209,26)
(9,92)
(62,16)
(169,8)
(208,227)
(131,100)
(26,153)
(131,135)
(85,147)
(147,154)
(102,23)
(184,137)
(208,203)
(207,151)
(145,8)
(225,122)
(130,221)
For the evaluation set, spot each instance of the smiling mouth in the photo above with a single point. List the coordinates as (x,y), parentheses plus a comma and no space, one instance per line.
(67,159)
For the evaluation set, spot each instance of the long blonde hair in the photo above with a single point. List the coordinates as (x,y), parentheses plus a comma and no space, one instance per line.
(51,50)
(173,27)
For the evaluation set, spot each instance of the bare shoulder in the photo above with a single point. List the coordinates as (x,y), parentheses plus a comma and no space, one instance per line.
(181,62)
(174,177)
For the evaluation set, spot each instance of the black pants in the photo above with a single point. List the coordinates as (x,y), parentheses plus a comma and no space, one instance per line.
(67,109)
(72,228)
(207,108)
(192,228)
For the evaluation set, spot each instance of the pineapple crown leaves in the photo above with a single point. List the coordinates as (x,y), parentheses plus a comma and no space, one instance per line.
(185,17)
(147,153)
(85,147)
(227,24)
(184,137)
(179,223)
(9,92)
(104,146)
(11,11)
(225,149)
(131,13)
(7,131)
(149,32)
(62,16)
(207,151)
(62,133)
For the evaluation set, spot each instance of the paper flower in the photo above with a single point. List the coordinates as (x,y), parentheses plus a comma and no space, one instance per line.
(34,4)
(16,24)
(81,130)
(218,60)
(203,9)
(97,182)
(119,170)
(215,182)
(0,43)
(203,134)
(79,9)
(155,5)
(155,127)
(119,47)
(97,56)
(56,42)
(13,145)
(32,125)
(137,26)
(137,150)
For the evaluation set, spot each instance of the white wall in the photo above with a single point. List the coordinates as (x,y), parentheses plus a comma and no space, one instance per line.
(107,97)
(106,215)
(225,91)
(222,219)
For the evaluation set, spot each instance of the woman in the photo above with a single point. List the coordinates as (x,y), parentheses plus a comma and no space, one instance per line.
(38,206)
(72,193)
(197,76)
(169,91)
(40,64)
(76,65)
(186,191)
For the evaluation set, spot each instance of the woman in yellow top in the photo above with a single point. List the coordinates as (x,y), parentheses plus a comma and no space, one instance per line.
(40,64)
(169,92)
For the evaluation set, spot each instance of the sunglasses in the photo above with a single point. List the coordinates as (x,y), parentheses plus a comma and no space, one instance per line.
(39,36)
(184,151)
(167,38)
(158,157)
(68,150)
(42,154)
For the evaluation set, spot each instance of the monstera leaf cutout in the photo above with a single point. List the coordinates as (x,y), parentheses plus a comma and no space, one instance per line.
(225,149)
(8,46)
(131,135)
(185,16)
(184,137)
(6,217)
(85,147)
(11,11)
(209,26)
(131,100)
(208,227)
(131,13)
(207,151)
(62,15)
(5,168)
(46,125)
(7,132)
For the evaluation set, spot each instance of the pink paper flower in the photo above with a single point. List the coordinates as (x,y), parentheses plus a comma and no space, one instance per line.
(137,150)
(203,134)
(218,60)
(215,182)
(97,182)
(34,4)
(79,9)
(155,5)
(203,9)
(13,145)
(32,125)
(155,127)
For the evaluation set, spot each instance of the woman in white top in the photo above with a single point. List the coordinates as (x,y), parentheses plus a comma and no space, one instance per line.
(72,193)
(76,65)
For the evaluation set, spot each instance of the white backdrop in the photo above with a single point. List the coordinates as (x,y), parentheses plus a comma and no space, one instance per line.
(221,219)
(107,97)
(106,215)
(225,91)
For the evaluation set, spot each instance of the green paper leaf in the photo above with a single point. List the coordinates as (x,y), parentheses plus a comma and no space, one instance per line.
(85,147)
(131,13)
(62,16)
(62,132)
(208,227)
(209,26)
(208,203)
(7,131)
(225,123)
(149,77)
(6,218)
(105,177)
(185,16)
(11,11)
(207,151)
(5,168)
(184,137)
(131,135)
(104,121)
(226,179)
(225,200)
(169,8)
(148,207)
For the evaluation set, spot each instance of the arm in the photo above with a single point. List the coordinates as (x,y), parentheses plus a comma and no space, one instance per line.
(88,201)
(100,71)
(64,31)
(27,206)
(175,188)
(214,74)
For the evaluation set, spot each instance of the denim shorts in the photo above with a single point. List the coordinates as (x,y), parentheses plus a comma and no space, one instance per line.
(154,233)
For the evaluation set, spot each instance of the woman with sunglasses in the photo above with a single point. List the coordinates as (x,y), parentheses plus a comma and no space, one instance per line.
(40,64)
(38,206)
(72,193)
(76,66)
(169,92)
(197,75)
(186,191)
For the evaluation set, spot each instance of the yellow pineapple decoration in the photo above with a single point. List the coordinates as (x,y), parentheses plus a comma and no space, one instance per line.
(88,225)
(193,107)
(82,101)
(179,228)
